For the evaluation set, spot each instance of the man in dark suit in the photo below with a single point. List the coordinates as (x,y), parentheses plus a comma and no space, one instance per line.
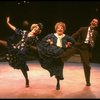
(84,46)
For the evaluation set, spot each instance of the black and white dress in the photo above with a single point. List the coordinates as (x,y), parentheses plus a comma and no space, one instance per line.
(18,46)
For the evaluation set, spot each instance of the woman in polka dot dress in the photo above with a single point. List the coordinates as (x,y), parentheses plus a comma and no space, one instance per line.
(18,46)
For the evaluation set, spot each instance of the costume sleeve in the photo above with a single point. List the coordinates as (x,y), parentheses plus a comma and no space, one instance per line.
(77,33)
(19,31)
(71,39)
(44,40)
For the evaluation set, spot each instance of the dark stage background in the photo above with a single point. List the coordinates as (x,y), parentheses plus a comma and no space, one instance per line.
(74,13)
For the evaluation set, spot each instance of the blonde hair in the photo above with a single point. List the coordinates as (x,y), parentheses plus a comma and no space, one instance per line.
(34,25)
(61,24)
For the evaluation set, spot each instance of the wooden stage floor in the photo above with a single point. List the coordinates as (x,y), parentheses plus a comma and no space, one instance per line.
(12,83)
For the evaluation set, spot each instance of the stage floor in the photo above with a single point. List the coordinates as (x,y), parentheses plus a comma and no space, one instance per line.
(12,83)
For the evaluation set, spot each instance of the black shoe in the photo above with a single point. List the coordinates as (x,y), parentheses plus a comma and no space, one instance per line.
(27,86)
(57,87)
(88,84)
(27,83)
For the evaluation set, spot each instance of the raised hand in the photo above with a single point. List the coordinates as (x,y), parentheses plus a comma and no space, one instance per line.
(8,19)
(10,25)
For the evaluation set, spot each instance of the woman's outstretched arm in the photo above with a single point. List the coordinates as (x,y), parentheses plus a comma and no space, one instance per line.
(9,24)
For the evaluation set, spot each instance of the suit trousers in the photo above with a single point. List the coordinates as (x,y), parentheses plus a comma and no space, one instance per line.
(85,58)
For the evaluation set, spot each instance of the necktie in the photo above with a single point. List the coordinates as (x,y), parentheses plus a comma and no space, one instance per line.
(91,42)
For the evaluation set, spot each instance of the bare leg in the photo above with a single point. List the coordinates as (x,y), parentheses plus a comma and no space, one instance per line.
(58,84)
(26,77)
(3,43)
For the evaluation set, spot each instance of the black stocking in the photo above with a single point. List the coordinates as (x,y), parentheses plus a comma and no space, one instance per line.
(26,76)
(58,84)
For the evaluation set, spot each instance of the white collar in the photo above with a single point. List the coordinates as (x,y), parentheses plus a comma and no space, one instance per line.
(60,36)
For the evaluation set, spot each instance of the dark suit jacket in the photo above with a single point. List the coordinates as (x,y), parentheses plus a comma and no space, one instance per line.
(81,34)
